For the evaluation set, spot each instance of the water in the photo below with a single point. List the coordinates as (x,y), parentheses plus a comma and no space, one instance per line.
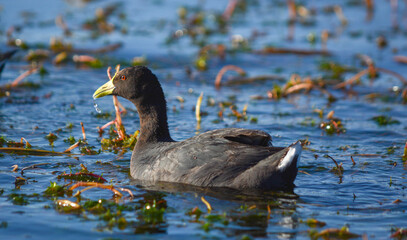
(95,105)
(365,198)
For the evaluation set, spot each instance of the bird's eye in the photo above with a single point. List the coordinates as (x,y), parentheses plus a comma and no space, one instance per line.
(123,77)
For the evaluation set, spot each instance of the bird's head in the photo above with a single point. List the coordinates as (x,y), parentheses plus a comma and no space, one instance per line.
(130,83)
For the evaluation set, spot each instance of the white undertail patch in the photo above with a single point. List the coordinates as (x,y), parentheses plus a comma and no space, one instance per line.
(293,152)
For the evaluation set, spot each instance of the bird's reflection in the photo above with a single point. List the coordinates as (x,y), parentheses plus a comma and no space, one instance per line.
(248,212)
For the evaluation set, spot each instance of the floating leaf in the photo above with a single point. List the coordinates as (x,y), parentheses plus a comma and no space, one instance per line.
(312,222)
(383,120)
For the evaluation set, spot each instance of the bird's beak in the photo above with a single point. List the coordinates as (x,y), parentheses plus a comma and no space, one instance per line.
(105,89)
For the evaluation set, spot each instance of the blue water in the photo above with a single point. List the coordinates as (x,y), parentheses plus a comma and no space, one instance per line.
(362,199)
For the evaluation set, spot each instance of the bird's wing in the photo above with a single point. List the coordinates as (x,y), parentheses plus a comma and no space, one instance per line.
(239,135)
(217,157)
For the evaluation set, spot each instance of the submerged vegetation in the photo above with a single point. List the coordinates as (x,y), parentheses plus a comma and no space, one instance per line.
(328,74)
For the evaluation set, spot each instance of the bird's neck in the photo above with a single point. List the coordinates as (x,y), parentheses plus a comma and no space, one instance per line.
(152,111)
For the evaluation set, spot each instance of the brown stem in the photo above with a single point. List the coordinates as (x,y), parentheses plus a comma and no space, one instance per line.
(401,78)
(22,76)
(306,85)
(274,50)
(229,9)
(107,125)
(224,70)
(400,59)
(33,166)
(98,185)
(108,73)
(336,163)
(353,161)
(291,10)
(83,132)
(75,145)
(118,122)
(352,79)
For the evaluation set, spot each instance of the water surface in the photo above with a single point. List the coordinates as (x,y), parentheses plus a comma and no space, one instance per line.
(363,199)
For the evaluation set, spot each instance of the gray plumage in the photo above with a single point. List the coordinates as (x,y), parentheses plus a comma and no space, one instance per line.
(232,157)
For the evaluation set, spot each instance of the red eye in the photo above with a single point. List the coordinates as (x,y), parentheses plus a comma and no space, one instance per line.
(123,77)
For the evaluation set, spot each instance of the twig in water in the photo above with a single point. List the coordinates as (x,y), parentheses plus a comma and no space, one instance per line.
(83,59)
(340,15)
(15,168)
(336,163)
(274,50)
(104,49)
(229,9)
(365,155)
(352,79)
(27,144)
(98,185)
(400,77)
(107,125)
(369,70)
(81,191)
(208,206)
(84,168)
(369,4)
(75,145)
(297,87)
(224,70)
(324,39)
(370,64)
(198,108)
(83,132)
(128,191)
(22,76)
(397,201)
(338,166)
(33,166)
(248,80)
(353,161)
(400,59)
(29,151)
(394,9)
(291,10)
(108,73)
(118,121)
(124,110)
(301,171)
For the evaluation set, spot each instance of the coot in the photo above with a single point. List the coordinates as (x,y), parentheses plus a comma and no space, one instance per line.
(231,157)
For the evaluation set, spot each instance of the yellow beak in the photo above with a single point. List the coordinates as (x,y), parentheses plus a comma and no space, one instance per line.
(105,89)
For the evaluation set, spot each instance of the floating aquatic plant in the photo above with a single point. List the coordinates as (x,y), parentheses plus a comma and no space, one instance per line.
(152,214)
(399,233)
(51,137)
(55,190)
(83,177)
(195,212)
(312,222)
(331,233)
(334,70)
(383,120)
(66,206)
(18,199)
